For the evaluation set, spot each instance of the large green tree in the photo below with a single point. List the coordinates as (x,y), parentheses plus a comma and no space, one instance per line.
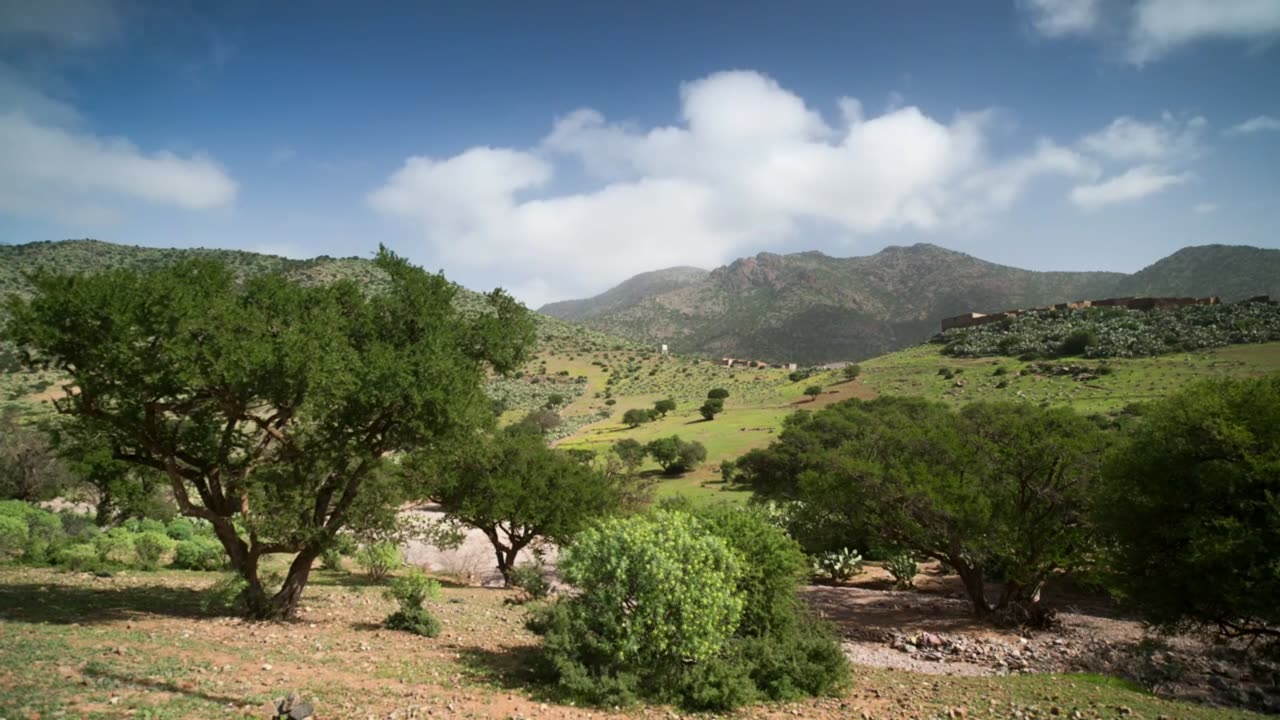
(1192,504)
(996,487)
(510,486)
(270,408)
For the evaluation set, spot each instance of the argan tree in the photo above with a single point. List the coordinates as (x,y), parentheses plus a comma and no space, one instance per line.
(270,408)
(664,406)
(513,488)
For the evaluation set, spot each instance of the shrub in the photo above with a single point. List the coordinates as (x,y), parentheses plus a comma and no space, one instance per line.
(411,590)
(13,535)
(150,547)
(635,417)
(1078,342)
(656,593)
(717,394)
(1001,370)
(1190,502)
(332,557)
(379,559)
(838,565)
(532,580)
(775,567)
(44,536)
(813,391)
(78,558)
(199,553)
(180,529)
(115,546)
(611,402)
(851,371)
(902,566)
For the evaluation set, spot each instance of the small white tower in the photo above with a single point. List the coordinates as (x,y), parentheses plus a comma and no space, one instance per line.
(664,348)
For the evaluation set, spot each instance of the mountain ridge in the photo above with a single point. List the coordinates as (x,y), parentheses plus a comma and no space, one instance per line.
(810,307)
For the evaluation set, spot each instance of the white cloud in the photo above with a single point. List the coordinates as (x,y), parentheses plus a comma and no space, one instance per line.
(1134,184)
(71,24)
(1161,26)
(1204,208)
(1056,18)
(1148,30)
(49,171)
(749,165)
(1129,139)
(1261,123)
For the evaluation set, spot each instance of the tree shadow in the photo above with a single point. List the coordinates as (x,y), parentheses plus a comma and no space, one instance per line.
(511,668)
(66,604)
(99,672)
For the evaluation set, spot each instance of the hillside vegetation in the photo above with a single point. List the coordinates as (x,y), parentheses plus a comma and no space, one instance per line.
(812,308)
(1116,332)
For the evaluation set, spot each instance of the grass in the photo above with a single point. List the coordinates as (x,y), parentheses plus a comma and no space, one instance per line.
(915,372)
(139,645)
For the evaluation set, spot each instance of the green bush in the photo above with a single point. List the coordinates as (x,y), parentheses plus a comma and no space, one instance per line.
(332,557)
(676,455)
(532,580)
(379,559)
(180,529)
(657,594)
(902,566)
(199,553)
(838,565)
(775,566)
(717,394)
(150,547)
(115,546)
(13,535)
(410,591)
(44,536)
(78,558)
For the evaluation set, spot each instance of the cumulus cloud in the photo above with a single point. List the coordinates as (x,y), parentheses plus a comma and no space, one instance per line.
(1056,18)
(749,165)
(1261,123)
(1133,184)
(50,170)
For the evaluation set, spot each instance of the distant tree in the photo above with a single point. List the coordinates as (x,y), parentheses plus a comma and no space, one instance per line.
(269,406)
(711,408)
(994,488)
(514,489)
(676,455)
(851,371)
(554,400)
(635,417)
(664,406)
(541,420)
(813,391)
(717,394)
(1192,505)
(631,453)
(30,468)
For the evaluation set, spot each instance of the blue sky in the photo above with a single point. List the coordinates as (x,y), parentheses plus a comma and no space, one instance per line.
(557,148)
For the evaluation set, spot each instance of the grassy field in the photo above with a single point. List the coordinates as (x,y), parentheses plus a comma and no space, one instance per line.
(915,372)
(142,645)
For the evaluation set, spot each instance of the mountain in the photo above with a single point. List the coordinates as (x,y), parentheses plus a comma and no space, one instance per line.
(812,308)
(1232,272)
(626,294)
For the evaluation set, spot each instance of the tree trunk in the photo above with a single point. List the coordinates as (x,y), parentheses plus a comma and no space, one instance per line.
(974,587)
(284,604)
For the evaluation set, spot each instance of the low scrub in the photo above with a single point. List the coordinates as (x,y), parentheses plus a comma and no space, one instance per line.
(1115,332)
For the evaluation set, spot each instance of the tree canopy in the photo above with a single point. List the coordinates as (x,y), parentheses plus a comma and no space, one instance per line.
(269,407)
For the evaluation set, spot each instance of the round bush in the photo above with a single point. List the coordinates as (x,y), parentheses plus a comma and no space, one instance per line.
(78,558)
(379,559)
(150,548)
(115,546)
(199,553)
(180,529)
